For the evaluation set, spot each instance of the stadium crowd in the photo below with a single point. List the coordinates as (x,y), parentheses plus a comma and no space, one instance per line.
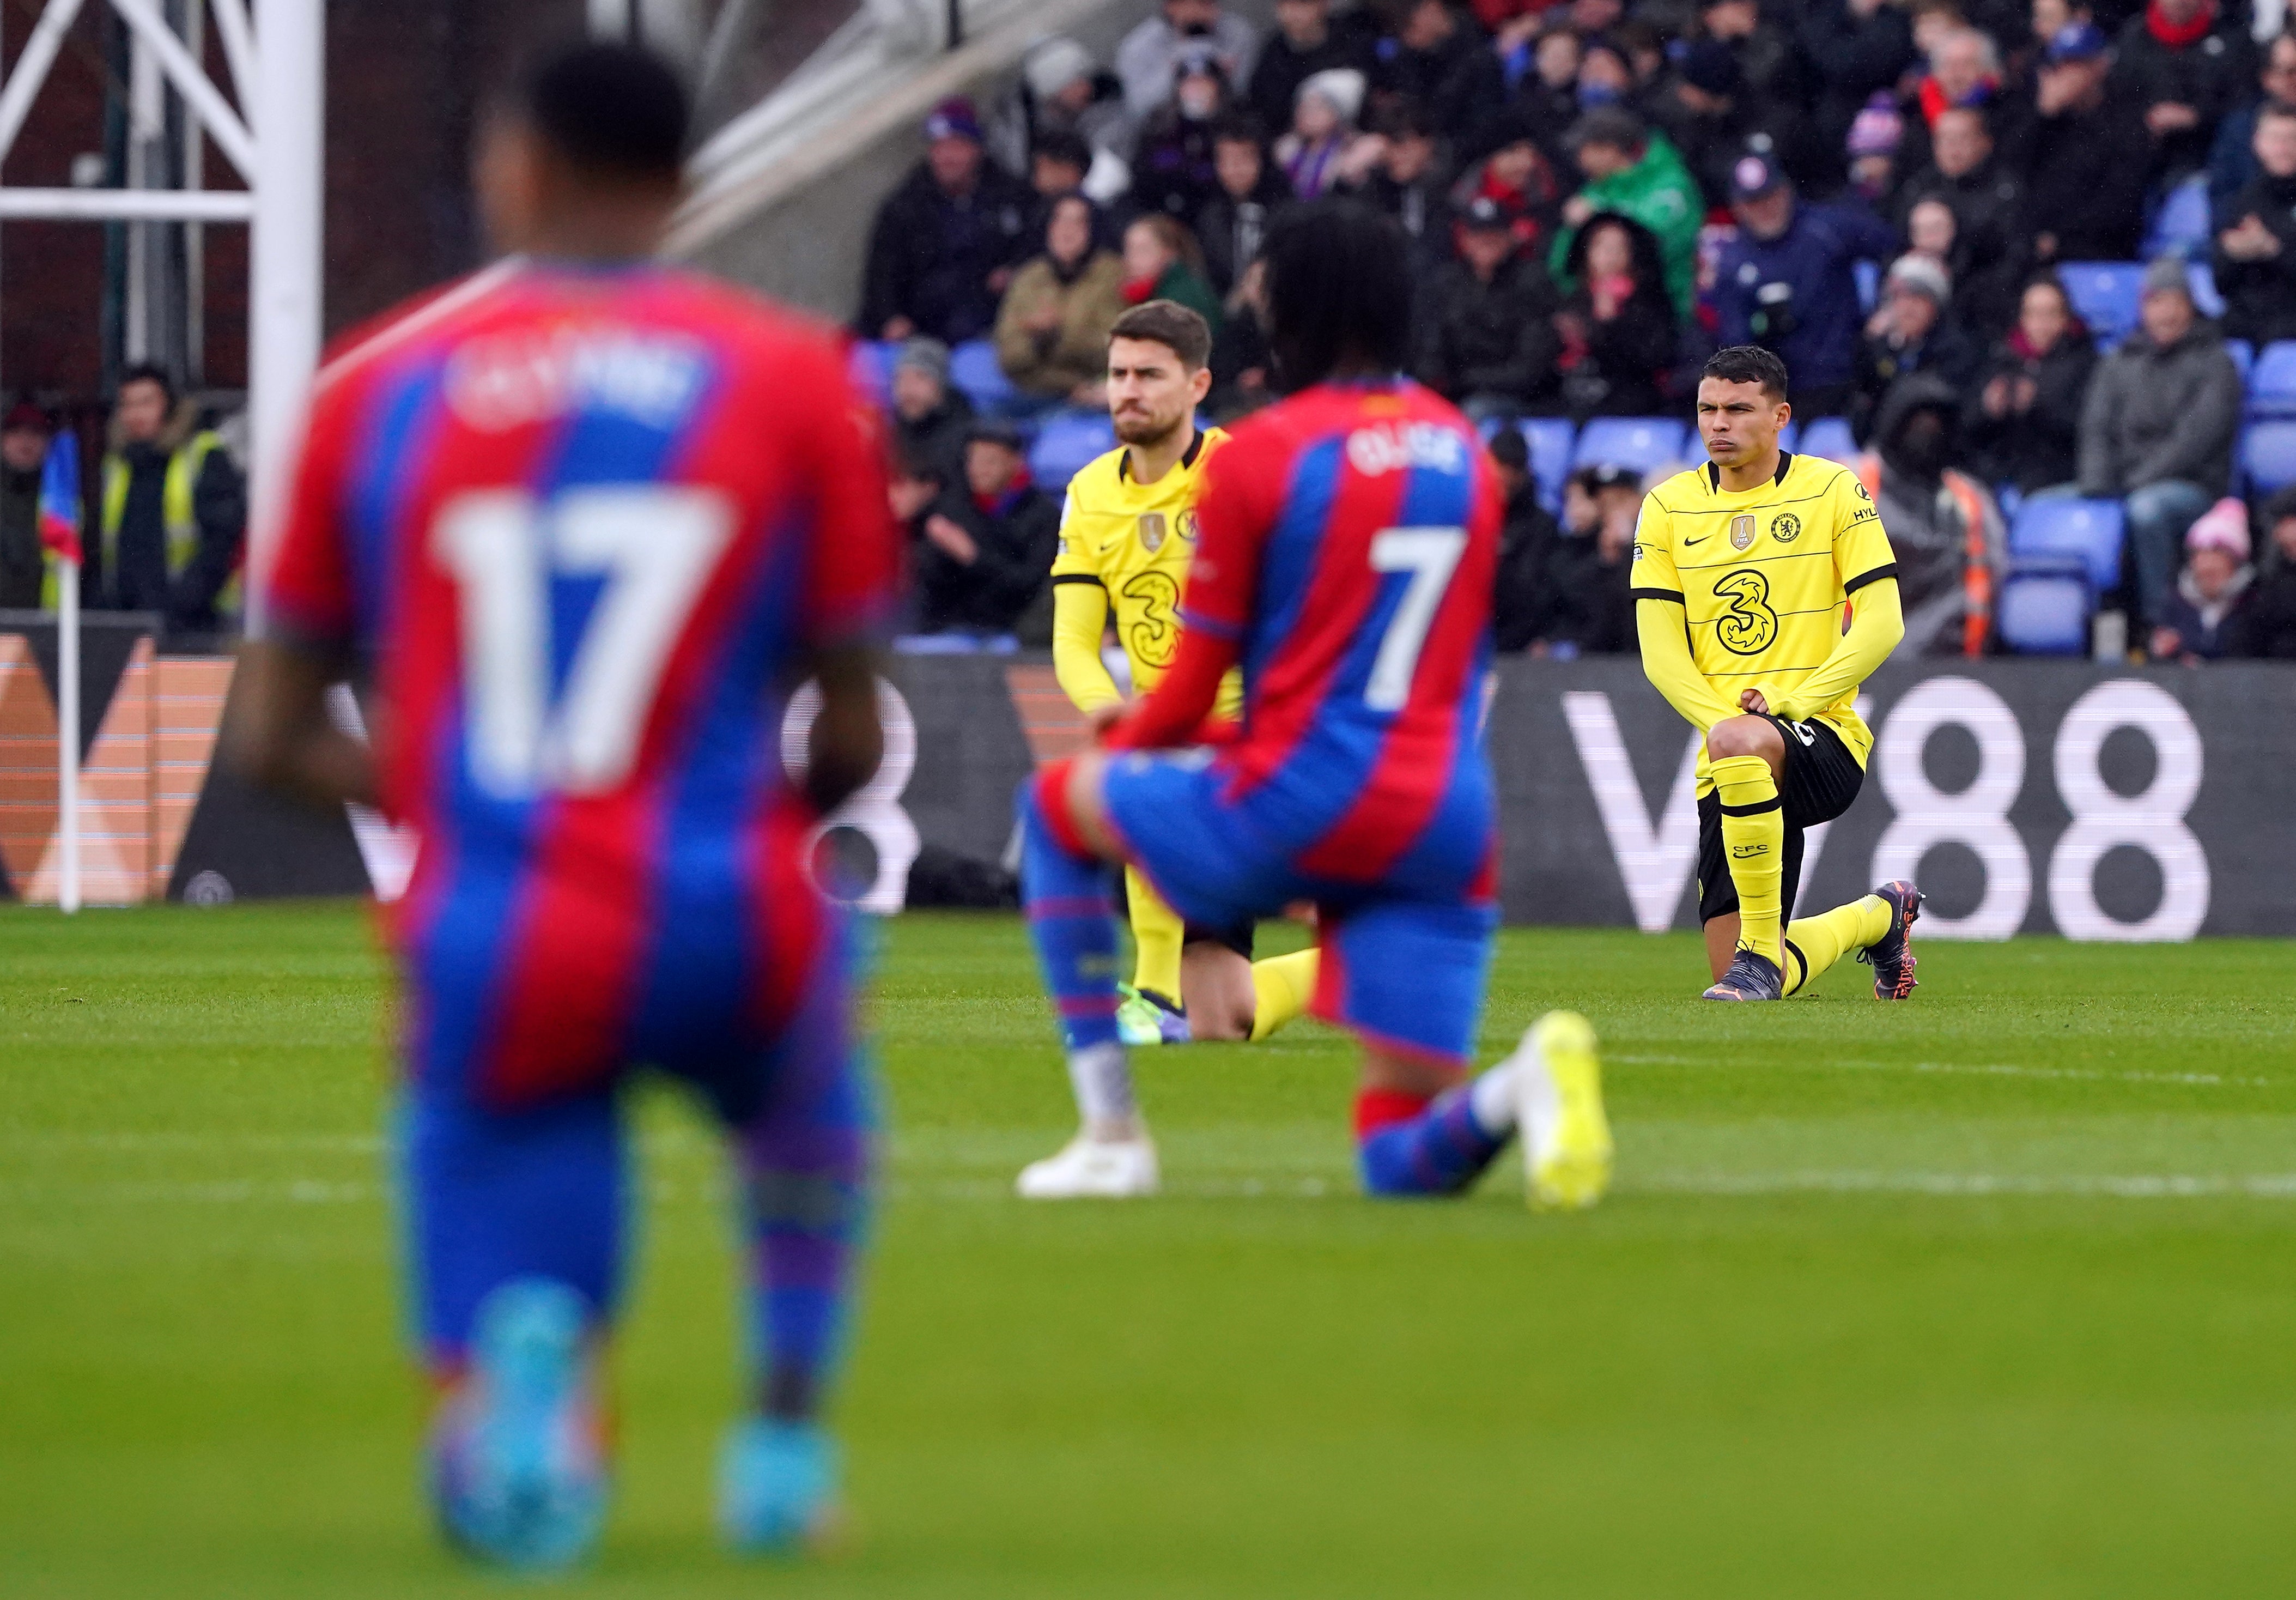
(166,520)
(2030,270)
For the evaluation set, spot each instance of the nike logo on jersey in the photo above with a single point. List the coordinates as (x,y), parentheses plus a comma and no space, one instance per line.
(1687,544)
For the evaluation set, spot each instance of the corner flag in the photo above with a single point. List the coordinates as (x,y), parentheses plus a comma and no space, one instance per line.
(60,499)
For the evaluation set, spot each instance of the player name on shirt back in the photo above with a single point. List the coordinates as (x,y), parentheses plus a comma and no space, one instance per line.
(531,375)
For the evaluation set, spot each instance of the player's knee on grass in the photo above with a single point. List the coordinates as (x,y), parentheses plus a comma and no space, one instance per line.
(1216,988)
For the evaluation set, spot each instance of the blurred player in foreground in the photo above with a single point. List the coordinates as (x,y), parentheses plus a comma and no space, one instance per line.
(1344,559)
(1126,532)
(1742,567)
(588,521)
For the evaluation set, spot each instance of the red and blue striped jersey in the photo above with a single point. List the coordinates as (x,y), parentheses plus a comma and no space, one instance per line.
(584,525)
(1348,540)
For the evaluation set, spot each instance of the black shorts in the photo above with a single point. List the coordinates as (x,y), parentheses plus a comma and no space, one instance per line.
(1821,777)
(1237,938)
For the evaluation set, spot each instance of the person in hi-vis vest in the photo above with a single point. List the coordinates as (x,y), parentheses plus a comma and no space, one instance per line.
(173,517)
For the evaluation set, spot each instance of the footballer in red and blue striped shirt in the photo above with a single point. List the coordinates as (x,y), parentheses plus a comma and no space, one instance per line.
(1348,540)
(588,522)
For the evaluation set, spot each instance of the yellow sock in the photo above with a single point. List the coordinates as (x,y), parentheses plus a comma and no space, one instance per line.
(1156,929)
(1281,986)
(1819,941)
(1754,838)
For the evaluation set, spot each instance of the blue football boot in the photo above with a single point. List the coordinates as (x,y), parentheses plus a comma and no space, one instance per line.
(518,1467)
(777,1487)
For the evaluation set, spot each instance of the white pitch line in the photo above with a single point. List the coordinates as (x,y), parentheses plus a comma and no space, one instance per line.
(129,1143)
(1986,1069)
(1977,1186)
(2264,1186)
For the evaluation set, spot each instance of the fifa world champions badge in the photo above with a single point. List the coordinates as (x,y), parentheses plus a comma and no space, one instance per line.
(1742,531)
(1152,531)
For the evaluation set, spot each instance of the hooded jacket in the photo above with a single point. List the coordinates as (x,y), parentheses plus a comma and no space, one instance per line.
(1658,192)
(1519,600)
(2153,415)
(1614,367)
(1943,528)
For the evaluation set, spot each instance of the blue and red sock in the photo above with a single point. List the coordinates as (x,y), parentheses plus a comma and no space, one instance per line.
(1409,1144)
(1071,919)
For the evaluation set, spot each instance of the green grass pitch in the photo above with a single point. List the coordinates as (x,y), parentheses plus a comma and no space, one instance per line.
(1993,1294)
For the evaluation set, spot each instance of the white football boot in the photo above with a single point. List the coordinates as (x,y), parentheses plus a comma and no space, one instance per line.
(1091,1168)
(1566,1138)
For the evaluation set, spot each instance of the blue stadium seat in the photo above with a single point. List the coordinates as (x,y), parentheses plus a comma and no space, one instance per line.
(1637,443)
(973,368)
(871,368)
(2243,356)
(2267,455)
(2043,609)
(1868,274)
(1829,439)
(2272,380)
(1066,442)
(2105,294)
(1789,437)
(2181,225)
(2088,531)
(1550,439)
(2203,281)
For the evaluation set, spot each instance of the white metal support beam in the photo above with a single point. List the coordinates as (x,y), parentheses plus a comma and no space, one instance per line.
(32,68)
(239,51)
(284,278)
(128,205)
(192,82)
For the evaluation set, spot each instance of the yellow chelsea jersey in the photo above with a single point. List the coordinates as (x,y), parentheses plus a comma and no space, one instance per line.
(1762,575)
(1134,541)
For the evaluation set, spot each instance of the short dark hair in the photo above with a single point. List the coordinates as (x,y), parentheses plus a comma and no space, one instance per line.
(612,110)
(1179,330)
(1510,449)
(1339,291)
(1612,125)
(919,467)
(1063,145)
(1405,119)
(1748,363)
(1240,127)
(150,372)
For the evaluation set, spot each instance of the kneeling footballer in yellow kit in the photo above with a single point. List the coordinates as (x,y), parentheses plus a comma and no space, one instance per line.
(1126,534)
(1743,570)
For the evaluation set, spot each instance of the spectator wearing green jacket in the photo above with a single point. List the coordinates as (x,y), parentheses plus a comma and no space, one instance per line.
(1631,169)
